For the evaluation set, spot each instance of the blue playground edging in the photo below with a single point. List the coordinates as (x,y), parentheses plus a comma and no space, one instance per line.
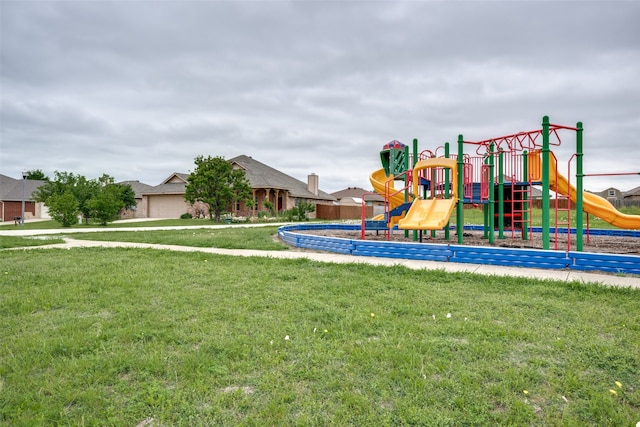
(445,252)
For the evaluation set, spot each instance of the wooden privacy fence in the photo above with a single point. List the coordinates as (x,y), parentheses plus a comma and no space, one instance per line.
(332,212)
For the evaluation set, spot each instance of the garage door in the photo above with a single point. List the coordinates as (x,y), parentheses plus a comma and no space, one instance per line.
(167,206)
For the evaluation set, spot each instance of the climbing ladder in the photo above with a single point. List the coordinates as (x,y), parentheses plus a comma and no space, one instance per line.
(521,208)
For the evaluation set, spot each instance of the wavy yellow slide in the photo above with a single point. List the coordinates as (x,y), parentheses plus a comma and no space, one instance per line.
(591,203)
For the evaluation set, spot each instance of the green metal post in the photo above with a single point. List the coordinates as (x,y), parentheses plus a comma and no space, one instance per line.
(460,206)
(492,195)
(545,182)
(525,200)
(447,190)
(485,220)
(415,160)
(432,194)
(579,188)
(485,207)
(501,195)
(405,167)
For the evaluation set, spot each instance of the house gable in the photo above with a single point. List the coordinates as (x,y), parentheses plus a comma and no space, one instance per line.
(176,178)
(610,193)
(354,195)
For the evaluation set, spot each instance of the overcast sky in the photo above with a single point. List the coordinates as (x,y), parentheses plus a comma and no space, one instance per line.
(138,89)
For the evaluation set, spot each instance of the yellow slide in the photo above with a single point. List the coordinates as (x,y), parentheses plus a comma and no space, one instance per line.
(591,203)
(431,214)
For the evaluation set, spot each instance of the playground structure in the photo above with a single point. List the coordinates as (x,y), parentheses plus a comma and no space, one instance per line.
(499,176)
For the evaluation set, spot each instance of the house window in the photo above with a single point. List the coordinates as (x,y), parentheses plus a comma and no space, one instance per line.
(255,202)
(237,206)
(612,193)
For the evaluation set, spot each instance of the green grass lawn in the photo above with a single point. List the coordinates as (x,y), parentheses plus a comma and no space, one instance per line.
(262,238)
(99,336)
(18,242)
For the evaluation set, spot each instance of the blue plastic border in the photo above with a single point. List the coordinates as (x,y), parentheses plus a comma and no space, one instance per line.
(531,258)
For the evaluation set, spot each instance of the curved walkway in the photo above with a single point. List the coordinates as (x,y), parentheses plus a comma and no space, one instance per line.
(561,275)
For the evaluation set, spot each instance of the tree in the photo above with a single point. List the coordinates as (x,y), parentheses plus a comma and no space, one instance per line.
(84,190)
(37,174)
(62,183)
(104,206)
(127,195)
(110,199)
(100,198)
(299,212)
(58,196)
(63,208)
(80,187)
(217,184)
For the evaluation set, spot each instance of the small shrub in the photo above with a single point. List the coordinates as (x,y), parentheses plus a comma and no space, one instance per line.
(270,207)
(186,216)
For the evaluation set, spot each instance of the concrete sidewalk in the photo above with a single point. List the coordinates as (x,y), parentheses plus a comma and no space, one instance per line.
(561,275)
(18,231)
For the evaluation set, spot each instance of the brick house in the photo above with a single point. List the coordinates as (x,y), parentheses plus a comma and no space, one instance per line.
(166,200)
(11,194)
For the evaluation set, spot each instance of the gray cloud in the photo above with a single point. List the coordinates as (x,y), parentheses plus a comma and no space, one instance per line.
(138,89)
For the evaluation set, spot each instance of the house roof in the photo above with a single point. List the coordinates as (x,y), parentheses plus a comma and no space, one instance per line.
(536,192)
(170,188)
(176,177)
(263,176)
(139,188)
(175,183)
(258,174)
(11,190)
(605,193)
(6,185)
(357,193)
(632,192)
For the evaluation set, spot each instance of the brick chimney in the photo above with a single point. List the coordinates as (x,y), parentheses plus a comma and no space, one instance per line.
(312,183)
